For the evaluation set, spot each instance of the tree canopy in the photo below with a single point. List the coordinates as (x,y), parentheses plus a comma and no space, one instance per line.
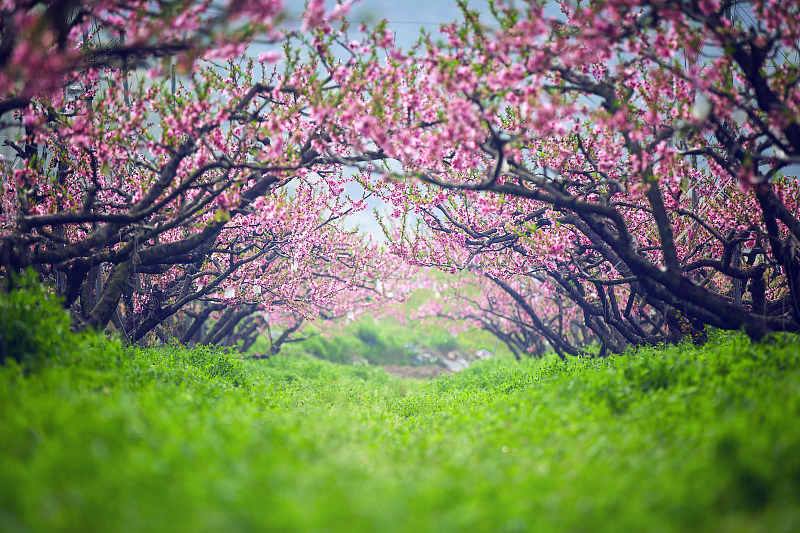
(619,172)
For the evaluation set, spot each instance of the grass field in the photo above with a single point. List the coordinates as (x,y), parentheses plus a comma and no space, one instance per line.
(103,438)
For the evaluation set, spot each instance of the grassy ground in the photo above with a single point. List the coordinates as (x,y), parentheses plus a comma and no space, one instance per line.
(101,438)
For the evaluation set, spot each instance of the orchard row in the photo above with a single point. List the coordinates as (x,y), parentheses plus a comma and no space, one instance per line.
(620,173)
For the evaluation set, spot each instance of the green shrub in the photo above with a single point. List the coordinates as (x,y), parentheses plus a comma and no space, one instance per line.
(33,325)
(367,334)
(386,342)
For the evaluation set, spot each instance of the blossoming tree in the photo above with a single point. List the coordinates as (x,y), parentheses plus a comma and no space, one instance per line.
(632,156)
(144,201)
(47,44)
(636,154)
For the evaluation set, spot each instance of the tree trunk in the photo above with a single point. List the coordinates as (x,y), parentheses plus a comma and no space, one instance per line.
(102,312)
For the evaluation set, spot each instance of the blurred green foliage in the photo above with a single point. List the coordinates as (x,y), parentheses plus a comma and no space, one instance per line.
(170,439)
(387,342)
(33,325)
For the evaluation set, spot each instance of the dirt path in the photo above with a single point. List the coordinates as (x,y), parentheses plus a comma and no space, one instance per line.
(416,372)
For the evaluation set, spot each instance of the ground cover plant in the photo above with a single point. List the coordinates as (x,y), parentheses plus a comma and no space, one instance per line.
(107,438)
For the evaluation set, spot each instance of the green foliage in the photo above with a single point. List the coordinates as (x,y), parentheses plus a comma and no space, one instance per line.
(33,325)
(385,342)
(35,329)
(169,439)
(364,339)
(367,334)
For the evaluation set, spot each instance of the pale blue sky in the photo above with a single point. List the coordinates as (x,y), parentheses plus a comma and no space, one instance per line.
(406,17)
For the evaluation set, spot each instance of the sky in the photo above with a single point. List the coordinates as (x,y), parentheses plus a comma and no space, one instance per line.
(406,17)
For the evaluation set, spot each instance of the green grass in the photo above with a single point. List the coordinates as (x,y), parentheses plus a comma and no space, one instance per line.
(677,439)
